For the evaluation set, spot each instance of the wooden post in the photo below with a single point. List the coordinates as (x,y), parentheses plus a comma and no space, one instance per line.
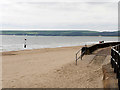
(119,83)
(117,73)
(111,62)
(115,68)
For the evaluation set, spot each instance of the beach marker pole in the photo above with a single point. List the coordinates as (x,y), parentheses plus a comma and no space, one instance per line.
(25,44)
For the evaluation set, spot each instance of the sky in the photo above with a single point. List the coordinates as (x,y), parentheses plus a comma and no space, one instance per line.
(97,15)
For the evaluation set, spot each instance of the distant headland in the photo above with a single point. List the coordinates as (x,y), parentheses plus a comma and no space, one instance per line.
(61,33)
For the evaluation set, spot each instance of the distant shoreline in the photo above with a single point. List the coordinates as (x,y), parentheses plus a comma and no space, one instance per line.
(61,33)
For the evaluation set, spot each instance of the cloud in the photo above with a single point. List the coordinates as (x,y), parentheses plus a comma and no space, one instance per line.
(39,14)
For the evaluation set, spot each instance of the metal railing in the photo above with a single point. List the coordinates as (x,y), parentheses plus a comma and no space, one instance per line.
(115,61)
(81,54)
(77,56)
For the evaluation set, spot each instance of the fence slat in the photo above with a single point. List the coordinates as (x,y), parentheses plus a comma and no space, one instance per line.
(115,61)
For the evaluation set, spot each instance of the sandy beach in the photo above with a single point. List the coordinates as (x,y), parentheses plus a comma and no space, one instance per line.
(50,68)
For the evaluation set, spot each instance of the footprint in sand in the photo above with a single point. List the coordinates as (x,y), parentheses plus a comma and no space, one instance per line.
(13,86)
(22,76)
(13,81)
(57,70)
(36,84)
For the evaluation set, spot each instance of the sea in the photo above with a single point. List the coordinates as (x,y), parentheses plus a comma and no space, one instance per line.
(15,43)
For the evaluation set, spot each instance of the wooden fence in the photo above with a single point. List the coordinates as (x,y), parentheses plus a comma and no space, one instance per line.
(115,61)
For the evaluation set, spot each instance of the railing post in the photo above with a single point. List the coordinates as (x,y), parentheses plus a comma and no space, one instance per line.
(111,62)
(119,84)
(76,59)
(111,58)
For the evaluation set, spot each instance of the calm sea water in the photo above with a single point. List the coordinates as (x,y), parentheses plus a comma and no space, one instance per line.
(13,43)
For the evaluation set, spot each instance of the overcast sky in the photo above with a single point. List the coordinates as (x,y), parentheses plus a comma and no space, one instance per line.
(59,14)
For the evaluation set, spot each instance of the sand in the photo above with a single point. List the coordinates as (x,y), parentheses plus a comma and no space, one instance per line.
(50,68)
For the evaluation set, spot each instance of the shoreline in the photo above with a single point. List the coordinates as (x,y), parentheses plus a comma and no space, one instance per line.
(46,48)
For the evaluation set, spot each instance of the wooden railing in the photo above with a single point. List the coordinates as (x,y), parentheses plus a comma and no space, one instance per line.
(115,61)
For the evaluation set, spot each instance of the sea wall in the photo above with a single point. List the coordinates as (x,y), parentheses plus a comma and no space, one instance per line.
(92,48)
